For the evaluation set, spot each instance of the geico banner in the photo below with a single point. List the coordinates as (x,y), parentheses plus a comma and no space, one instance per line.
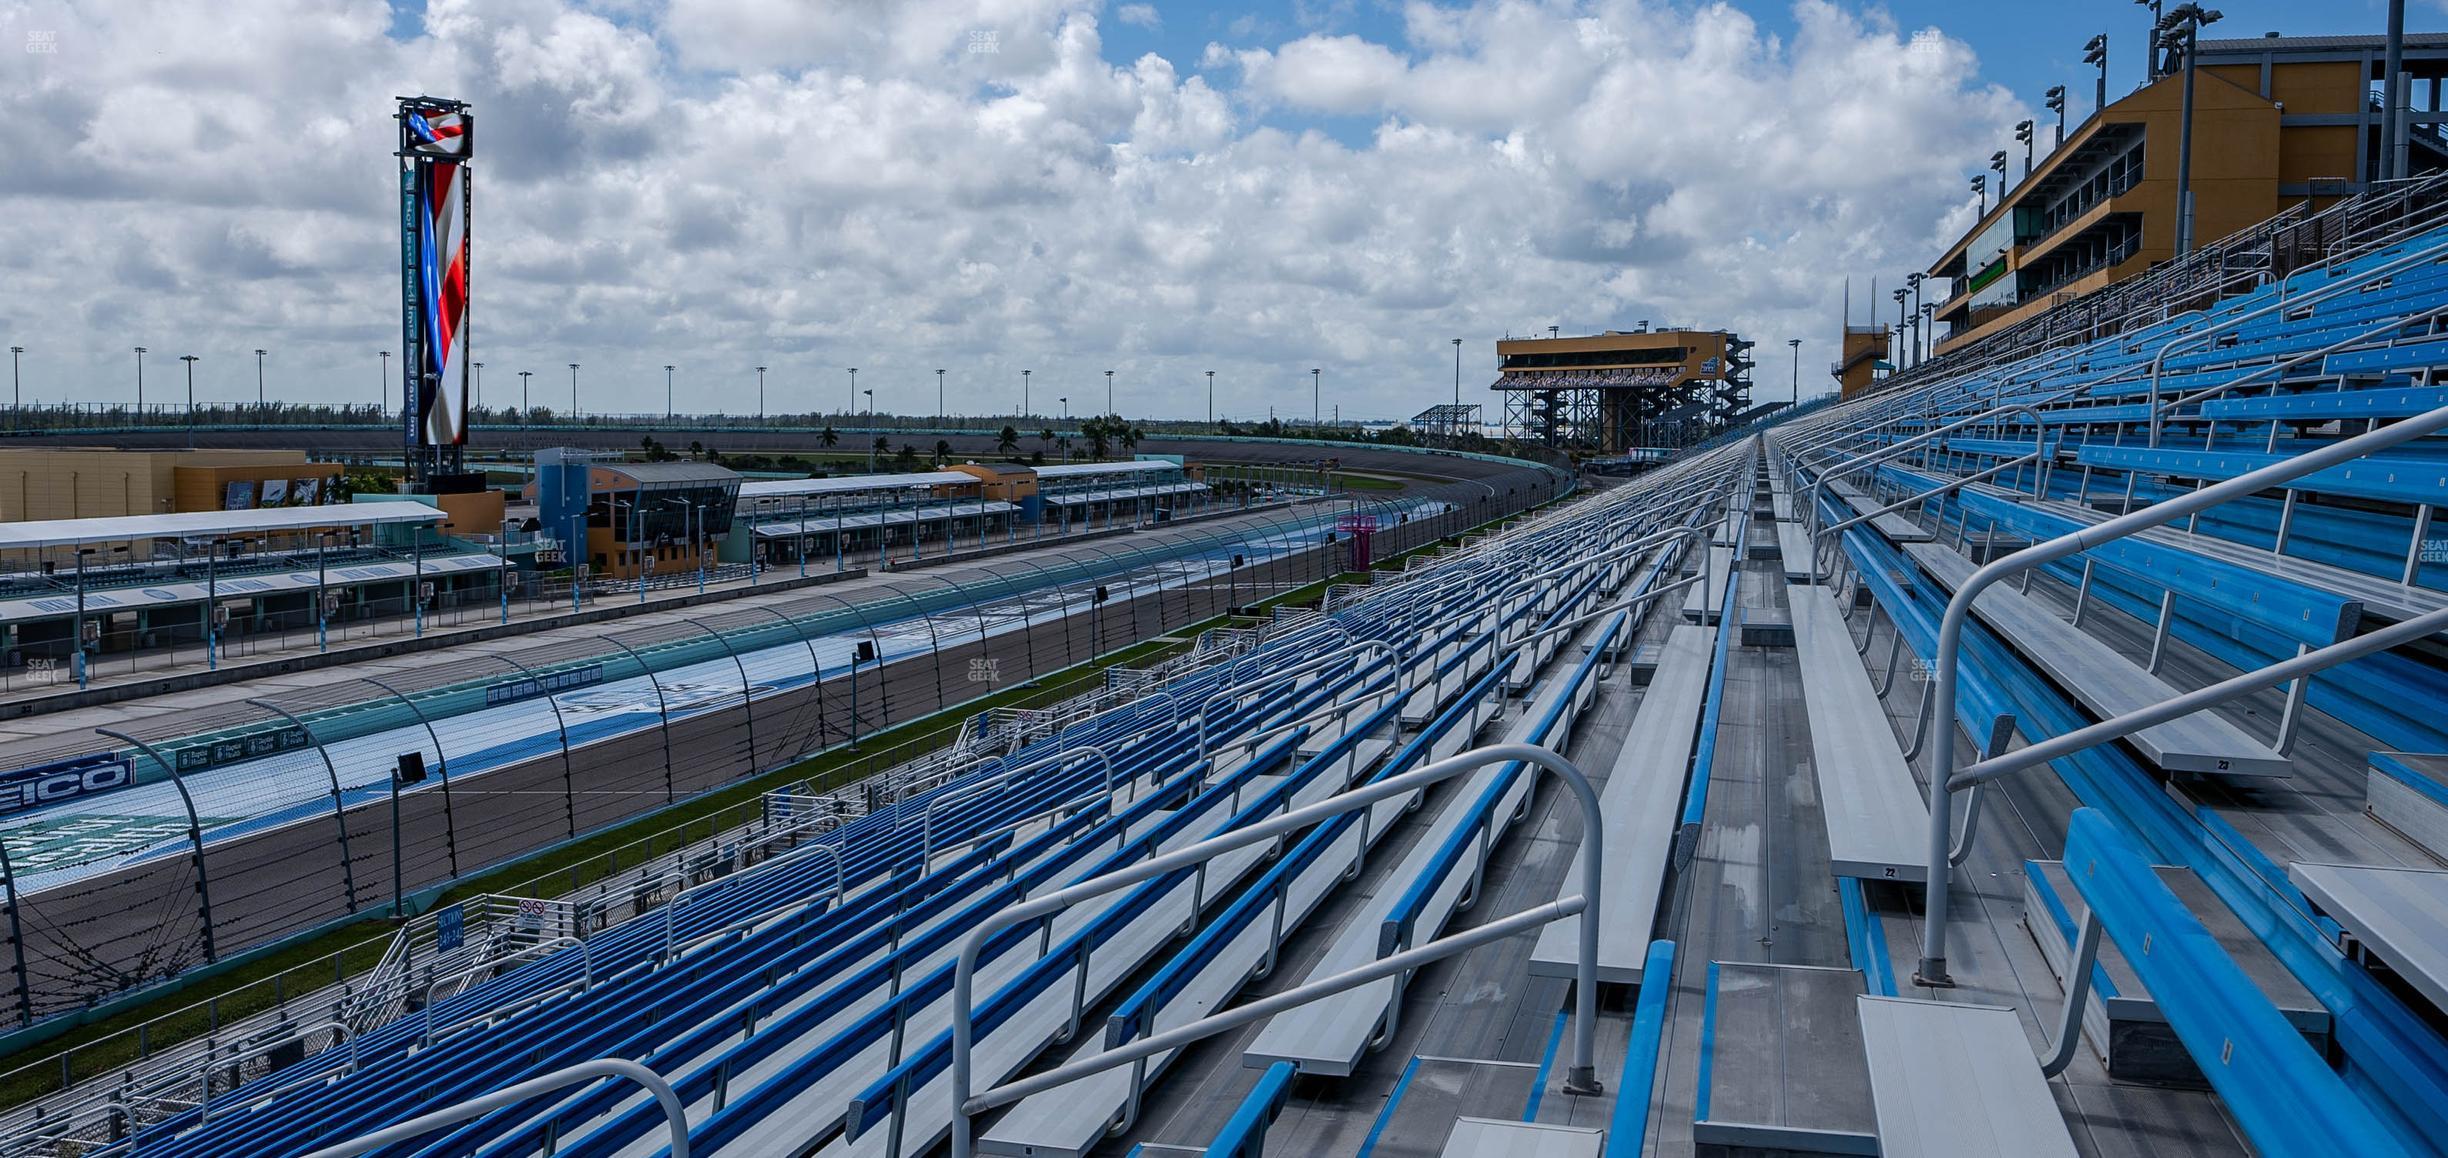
(46,784)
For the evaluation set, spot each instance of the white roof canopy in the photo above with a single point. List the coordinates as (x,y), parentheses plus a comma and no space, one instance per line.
(38,533)
(774,488)
(1078,469)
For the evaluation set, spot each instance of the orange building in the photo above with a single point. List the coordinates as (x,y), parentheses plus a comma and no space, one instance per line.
(2277,121)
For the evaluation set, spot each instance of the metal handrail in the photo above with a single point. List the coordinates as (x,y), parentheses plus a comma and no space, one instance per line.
(1384,650)
(1581,1077)
(671,908)
(926,828)
(2335,287)
(1932,968)
(675,1114)
(586,977)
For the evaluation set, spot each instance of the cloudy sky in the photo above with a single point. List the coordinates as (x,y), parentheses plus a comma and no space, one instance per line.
(984,186)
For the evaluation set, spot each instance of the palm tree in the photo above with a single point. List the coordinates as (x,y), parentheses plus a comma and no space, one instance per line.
(1094,431)
(907,457)
(943,450)
(1009,442)
(830,438)
(1045,439)
(882,444)
(1128,434)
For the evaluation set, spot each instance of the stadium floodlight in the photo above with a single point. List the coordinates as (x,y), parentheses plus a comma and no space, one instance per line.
(190,359)
(2095,53)
(2055,103)
(2180,31)
(2024,133)
(2150,60)
(1980,185)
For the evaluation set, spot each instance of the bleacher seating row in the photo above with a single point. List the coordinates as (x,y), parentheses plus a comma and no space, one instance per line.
(802,1005)
(1984,463)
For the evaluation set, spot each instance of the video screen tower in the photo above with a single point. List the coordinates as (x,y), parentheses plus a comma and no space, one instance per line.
(437,138)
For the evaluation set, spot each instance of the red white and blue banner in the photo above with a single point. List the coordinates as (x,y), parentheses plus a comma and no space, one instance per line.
(436,139)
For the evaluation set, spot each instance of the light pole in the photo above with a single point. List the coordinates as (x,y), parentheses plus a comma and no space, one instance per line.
(1316,391)
(573,391)
(1914,280)
(1024,397)
(2024,132)
(2181,30)
(1211,398)
(382,385)
(870,393)
(190,359)
(667,392)
(1457,371)
(939,398)
(478,367)
(1997,161)
(1796,343)
(524,375)
(17,396)
(1109,403)
(2150,59)
(852,409)
(1066,408)
(140,353)
(1980,186)
(259,380)
(1899,296)
(2095,52)
(2055,103)
(760,395)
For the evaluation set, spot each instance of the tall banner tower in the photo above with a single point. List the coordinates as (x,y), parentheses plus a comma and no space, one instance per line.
(437,138)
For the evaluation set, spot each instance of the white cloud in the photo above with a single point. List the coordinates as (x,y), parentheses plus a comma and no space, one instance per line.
(1142,15)
(975,185)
